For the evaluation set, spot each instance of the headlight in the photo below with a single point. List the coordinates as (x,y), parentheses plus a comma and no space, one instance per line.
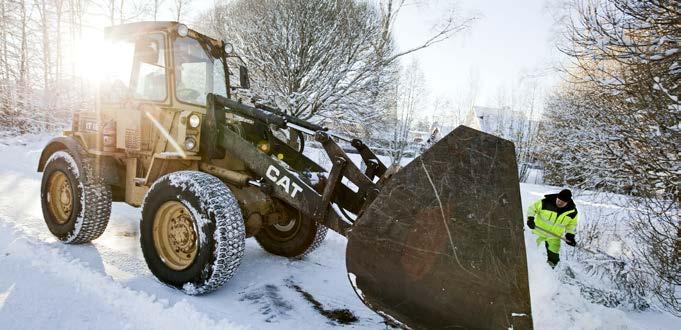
(229,48)
(182,30)
(189,143)
(194,121)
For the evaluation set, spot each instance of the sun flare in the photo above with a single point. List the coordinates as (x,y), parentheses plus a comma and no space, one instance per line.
(99,58)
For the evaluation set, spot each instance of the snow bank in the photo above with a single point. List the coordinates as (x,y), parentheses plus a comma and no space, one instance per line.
(556,304)
(42,288)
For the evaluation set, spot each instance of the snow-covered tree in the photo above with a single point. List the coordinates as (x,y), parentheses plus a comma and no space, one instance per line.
(574,135)
(630,52)
(411,96)
(314,55)
(514,120)
(331,60)
(616,124)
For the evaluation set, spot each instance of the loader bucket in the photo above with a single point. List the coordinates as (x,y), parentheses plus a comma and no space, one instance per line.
(442,245)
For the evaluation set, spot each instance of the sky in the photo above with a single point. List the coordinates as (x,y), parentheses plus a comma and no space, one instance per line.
(510,42)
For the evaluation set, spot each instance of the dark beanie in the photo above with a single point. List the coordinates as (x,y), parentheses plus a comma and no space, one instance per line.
(565,195)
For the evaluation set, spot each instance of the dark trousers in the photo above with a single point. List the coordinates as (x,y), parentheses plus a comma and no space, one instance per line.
(553,258)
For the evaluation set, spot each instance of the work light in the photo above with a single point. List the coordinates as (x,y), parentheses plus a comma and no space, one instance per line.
(194,121)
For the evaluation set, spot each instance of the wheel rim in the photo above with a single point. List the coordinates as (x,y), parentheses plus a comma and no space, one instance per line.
(175,236)
(286,227)
(60,197)
(285,230)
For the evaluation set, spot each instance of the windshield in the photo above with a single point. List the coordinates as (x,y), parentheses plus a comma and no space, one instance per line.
(196,72)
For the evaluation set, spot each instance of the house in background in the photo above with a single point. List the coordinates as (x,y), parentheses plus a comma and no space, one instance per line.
(503,121)
(514,126)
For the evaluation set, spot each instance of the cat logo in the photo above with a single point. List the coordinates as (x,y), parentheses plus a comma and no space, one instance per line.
(284,181)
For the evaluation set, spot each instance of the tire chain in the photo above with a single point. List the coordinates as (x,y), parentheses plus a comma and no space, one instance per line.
(95,206)
(229,233)
(319,237)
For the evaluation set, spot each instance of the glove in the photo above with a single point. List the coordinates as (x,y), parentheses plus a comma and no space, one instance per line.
(530,222)
(570,239)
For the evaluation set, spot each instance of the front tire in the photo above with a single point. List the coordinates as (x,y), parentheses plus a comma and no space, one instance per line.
(76,206)
(192,231)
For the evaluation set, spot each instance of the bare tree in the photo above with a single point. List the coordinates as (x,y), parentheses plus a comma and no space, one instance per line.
(45,30)
(39,41)
(411,94)
(5,66)
(23,52)
(444,114)
(181,7)
(122,11)
(111,10)
(515,121)
(58,17)
(77,10)
(448,26)
(157,5)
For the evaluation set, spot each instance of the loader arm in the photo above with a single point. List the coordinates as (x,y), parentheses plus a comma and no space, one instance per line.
(437,245)
(279,182)
(279,178)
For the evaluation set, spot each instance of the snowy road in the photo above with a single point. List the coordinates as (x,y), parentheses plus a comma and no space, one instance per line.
(106,284)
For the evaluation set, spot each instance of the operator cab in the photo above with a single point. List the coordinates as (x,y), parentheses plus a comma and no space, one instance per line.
(167,63)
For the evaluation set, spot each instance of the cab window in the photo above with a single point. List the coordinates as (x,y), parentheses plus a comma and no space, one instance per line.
(136,69)
(150,82)
(117,71)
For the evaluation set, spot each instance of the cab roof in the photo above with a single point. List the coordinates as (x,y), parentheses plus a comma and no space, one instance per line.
(137,27)
(145,27)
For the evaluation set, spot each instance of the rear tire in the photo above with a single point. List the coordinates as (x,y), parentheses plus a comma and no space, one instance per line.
(295,239)
(192,231)
(76,206)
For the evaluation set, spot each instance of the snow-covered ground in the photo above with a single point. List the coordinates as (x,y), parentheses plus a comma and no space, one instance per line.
(106,284)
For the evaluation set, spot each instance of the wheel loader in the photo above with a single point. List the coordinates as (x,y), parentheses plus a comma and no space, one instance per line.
(437,244)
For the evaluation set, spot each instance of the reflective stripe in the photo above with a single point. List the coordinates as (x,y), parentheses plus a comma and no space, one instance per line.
(549,226)
(552,223)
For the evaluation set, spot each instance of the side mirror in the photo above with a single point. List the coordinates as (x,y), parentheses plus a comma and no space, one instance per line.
(243,77)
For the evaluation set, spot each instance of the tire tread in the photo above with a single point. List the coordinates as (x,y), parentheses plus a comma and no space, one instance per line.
(230,233)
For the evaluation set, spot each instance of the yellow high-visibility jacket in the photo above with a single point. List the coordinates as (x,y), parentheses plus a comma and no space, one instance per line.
(552,219)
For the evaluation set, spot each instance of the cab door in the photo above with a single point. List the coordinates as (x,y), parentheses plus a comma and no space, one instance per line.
(149,86)
(136,82)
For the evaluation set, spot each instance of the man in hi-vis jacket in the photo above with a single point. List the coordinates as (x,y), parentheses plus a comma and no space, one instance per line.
(549,218)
